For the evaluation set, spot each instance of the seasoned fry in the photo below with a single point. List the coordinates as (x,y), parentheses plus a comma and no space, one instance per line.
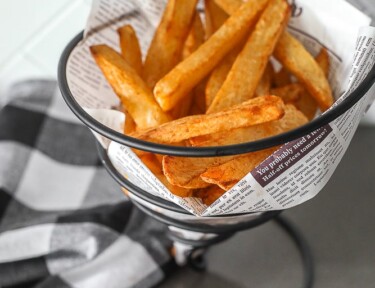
(264,84)
(281,78)
(133,92)
(193,41)
(182,78)
(292,119)
(306,103)
(130,49)
(215,17)
(130,125)
(209,195)
(289,93)
(240,85)
(182,170)
(166,46)
(252,112)
(228,174)
(155,167)
(185,172)
(291,53)
(218,76)
(298,61)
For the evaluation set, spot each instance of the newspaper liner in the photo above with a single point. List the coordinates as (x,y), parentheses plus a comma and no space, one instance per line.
(293,174)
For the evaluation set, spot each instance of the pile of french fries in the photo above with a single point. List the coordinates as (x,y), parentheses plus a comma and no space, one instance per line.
(213,84)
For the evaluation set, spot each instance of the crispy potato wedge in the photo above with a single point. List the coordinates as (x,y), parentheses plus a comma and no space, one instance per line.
(209,195)
(307,103)
(240,85)
(291,53)
(264,84)
(215,17)
(289,93)
(131,89)
(155,167)
(130,48)
(182,170)
(229,6)
(252,112)
(230,173)
(187,74)
(169,39)
(292,119)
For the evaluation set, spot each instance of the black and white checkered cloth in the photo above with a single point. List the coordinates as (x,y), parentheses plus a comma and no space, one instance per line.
(63,221)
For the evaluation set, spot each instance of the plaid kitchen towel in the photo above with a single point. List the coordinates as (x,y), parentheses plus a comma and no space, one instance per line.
(63,221)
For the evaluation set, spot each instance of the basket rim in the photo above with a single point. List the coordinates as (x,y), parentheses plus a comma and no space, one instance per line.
(212,151)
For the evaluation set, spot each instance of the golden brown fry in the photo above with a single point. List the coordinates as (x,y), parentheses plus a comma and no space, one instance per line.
(130,125)
(166,46)
(209,195)
(130,49)
(281,78)
(155,167)
(185,171)
(193,41)
(133,92)
(229,6)
(195,38)
(291,53)
(292,119)
(215,17)
(240,85)
(218,76)
(228,174)
(264,84)
(182,170)
(187,74)
(252,112)
(289,93)
(306,103)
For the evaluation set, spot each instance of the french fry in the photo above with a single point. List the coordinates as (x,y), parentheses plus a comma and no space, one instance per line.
(187,74)
(264,84)
(306,103)
(215,17)
(301,64)
(281,78)
(181,171)
(130,49)
(209,195)
(291,53)
(218,76)
(185,171)
(166,46)
(132,91)
(289,93)
(252,112)
(193,41)
(155,167)
(230,173)
(130,125)
(292,119)
(240,85)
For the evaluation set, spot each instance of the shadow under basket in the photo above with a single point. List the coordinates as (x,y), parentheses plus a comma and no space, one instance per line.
(222,227)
